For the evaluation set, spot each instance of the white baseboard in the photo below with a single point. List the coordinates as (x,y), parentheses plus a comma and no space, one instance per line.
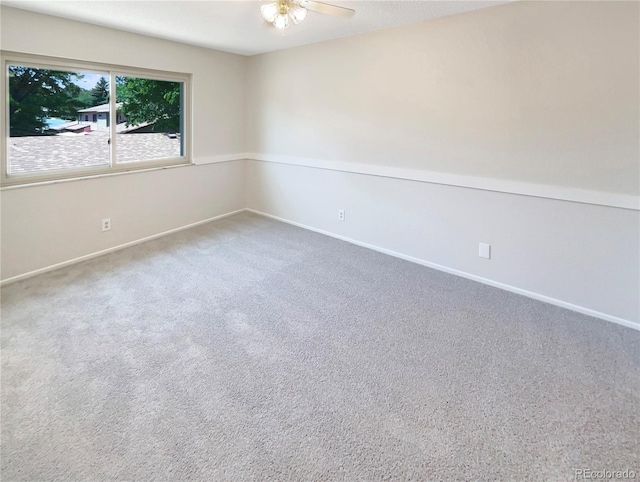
(480,279)
(111,250)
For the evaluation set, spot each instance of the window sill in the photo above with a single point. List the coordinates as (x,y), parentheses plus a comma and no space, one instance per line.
(93,176)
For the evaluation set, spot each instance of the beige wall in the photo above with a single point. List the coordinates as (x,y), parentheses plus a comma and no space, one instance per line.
(535,97)
(580,256)
(540,93)
(536,92)
(46,225)
(50,224)
(218,77)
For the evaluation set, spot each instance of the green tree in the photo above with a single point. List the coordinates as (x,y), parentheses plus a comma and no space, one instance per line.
(84,98)
(35,94)
(100,92)
(153,101)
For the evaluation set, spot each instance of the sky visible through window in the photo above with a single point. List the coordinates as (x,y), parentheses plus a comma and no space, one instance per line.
(88,81)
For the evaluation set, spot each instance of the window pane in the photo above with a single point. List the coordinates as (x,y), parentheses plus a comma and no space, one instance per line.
(149,119)
(57,119)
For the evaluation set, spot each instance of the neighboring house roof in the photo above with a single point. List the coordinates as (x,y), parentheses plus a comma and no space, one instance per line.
(70,126)
(123,128)
(99,108)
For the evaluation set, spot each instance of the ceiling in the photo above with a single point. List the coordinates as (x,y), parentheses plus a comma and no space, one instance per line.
(237,26)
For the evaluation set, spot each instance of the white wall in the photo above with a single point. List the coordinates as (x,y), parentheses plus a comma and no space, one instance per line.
(538,98)
(45,225)
(568,253)
(55,223)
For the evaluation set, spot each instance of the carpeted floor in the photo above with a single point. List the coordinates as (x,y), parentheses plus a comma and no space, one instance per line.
(250,349)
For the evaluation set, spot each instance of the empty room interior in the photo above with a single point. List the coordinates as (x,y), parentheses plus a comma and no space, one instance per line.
(303,240)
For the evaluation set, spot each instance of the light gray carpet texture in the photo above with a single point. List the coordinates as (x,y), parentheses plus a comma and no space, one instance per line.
(249,349)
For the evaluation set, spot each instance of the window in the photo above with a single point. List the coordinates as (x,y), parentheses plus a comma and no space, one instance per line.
(71,119)
(152,119)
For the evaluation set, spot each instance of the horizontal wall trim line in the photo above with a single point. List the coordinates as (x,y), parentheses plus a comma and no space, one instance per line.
(201,162)
(560,193)
(463,274)
(221,158)
(93,176)
(111,250)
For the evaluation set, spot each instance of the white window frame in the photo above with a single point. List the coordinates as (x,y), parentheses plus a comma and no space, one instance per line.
(55,63)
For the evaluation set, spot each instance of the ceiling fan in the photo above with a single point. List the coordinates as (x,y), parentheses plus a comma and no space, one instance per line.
(279,12)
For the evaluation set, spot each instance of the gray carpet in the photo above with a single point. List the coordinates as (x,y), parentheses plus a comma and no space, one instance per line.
(250,349)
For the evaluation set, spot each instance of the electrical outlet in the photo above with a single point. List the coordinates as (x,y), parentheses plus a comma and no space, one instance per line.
(106,224)
(484,250)
(341,214)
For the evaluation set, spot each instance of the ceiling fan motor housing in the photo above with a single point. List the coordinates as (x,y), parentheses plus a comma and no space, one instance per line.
(279,12)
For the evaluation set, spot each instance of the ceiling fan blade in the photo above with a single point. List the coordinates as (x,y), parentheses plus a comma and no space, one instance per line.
(321,7)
